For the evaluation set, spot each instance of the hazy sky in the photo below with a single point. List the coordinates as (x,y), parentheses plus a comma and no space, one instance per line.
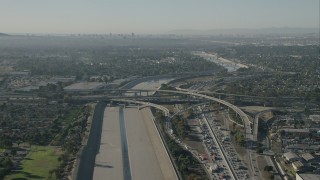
(151,16)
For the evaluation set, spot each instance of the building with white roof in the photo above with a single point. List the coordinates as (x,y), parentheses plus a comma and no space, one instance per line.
(300,176)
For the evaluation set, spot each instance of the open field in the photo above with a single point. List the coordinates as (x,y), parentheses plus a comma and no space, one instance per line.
(261,164)
(37,165)
(5,69)
(255,109)
(72,113)
(85,86)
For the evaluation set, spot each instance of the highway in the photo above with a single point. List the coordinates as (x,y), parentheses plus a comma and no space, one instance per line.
(242,115)
(249,135)
(248,130)
(213,135)
(246,122)
(144,89)
(145,104)
(252,154)
(256,124)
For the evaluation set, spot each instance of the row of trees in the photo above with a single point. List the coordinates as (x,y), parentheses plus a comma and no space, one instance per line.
(185,162)
(66,131)
(70,138)
(180,126)
(5,166)
(187,165)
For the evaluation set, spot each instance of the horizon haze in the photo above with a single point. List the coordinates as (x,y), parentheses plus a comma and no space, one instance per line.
(153,17)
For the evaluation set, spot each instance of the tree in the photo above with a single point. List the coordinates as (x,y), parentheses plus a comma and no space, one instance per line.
(272,176)
(14,151)
(6,162)
(268,168)
(307,111)
(239,137)
(259,150)
(67,98)
(189,113)
(5,142)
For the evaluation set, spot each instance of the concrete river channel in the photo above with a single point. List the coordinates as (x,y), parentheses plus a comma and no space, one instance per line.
(124,144)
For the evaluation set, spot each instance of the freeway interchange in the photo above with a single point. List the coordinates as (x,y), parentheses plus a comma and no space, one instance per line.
(243,116)
(100,96)
(246,122)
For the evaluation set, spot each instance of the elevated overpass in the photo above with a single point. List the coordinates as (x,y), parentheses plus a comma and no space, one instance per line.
(162,108)
(139,91)
(243,116)
(256,123)
(152,99)
(246,122)
(102,93)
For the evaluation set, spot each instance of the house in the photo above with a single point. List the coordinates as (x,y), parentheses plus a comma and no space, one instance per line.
(292,133)
(308,157)
(300,176)
(213,167)
(315,118)
(291,156)
(298,166)
(286,119)
(303,147)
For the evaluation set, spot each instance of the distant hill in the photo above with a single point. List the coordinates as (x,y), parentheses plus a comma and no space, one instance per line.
(273,30)
(3,34)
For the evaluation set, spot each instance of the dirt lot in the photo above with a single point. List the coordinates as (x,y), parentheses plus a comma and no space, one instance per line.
(261,164)
(276,147)
(5,69)
(255,109)
(194,139)
(267,116)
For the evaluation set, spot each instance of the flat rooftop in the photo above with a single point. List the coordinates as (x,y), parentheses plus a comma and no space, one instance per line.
(84,86)
(309,176)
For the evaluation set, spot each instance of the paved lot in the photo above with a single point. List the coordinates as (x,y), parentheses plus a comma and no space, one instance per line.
(148,158)
(108,163)
(149,85)
(84,86)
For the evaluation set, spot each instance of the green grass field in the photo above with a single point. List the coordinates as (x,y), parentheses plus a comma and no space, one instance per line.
(72,113)
(37,164)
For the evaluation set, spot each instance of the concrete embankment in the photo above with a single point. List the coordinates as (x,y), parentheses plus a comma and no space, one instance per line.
(88,156)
